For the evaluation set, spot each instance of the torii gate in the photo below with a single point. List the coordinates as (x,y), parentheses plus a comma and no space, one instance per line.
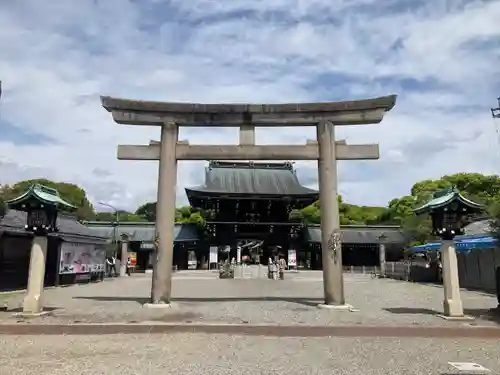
(325,116)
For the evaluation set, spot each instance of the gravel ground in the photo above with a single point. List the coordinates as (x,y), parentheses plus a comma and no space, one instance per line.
(221,354)
(201,297)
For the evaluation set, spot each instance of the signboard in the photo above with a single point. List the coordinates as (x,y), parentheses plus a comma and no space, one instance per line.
(214,254)
(78,258)
(133,258)
(292,258)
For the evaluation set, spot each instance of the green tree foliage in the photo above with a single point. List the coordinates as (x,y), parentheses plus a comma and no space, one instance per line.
(188,214)
(3,207)
(123,216)
(69,192)
(148,211)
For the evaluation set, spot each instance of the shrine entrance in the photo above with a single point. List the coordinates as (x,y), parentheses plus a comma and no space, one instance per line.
(325,149)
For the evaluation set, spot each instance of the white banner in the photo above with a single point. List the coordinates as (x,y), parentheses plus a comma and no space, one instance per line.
(214,254)
(292,258)
(81,258)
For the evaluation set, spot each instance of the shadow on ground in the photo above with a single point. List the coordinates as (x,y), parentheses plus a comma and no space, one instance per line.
(20,309)
(310,302)
(491,315)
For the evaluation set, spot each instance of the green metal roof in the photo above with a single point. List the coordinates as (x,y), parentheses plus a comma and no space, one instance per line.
(444,197)
(248,178)
(41,193)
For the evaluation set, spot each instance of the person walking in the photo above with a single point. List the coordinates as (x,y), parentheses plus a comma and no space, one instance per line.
(282,267)
(129,266)
(270,268)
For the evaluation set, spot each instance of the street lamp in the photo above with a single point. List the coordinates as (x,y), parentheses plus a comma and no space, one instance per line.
(382,240)
(116,224)
(41,205)
(450,213)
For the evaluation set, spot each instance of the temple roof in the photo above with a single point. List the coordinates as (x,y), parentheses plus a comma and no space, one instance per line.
(249,178)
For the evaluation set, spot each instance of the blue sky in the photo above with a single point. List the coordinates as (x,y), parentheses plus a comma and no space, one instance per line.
(441,57)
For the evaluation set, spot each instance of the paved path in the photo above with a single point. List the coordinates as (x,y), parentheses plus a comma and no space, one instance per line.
(226,354)
(202,298)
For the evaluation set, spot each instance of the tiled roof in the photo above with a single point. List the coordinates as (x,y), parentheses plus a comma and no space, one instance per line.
(69,227)
(248,178)
(361,234)
(144,232)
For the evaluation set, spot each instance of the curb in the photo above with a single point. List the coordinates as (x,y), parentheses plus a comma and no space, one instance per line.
(490,333)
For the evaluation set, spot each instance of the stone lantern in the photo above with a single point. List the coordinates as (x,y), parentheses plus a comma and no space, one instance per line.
(382,240)
(41,205)
(450,213)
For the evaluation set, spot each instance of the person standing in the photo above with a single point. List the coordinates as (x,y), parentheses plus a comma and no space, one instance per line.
(111,262)
(129,266)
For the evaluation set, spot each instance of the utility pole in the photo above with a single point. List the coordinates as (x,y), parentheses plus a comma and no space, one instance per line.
(495,112)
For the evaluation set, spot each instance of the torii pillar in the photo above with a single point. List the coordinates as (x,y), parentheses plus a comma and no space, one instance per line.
(331,246)
(247,116)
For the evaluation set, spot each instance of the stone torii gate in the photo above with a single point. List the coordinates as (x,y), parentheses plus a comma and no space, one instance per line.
(324,116)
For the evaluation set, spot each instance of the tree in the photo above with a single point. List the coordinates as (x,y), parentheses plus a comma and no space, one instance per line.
(123,216)
(3,208)
(494,220)
(69,192)
(148,211)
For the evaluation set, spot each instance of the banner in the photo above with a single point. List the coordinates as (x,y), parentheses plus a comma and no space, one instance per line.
(78,258)
(214,254)
(292,258)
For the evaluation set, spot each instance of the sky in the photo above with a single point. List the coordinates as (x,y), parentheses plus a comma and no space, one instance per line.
(441,57)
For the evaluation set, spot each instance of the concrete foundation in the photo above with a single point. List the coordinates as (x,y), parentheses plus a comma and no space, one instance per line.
(344,307)
(157,305)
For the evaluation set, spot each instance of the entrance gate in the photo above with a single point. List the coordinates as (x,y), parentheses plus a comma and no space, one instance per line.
(325,149)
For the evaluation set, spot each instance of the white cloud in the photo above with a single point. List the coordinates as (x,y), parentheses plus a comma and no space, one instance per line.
(440,57)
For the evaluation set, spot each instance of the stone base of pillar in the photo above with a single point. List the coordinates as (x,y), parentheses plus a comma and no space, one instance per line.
(453,310)
(161,305)
(28,314)
(32,304)
(453,307)
(344,307)
(462,318)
